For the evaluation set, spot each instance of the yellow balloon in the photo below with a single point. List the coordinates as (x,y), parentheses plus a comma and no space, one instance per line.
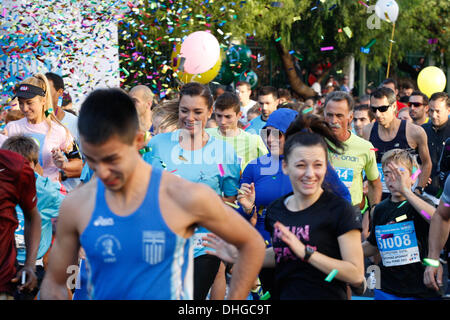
(203,78)
(431,80)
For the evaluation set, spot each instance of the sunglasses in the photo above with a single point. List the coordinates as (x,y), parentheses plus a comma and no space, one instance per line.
(380,108)
(415,104)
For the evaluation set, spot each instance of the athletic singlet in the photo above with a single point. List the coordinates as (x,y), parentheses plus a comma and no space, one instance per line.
(399,142)
(136,257)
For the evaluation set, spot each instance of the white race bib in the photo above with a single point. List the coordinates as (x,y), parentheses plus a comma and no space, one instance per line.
(397,244)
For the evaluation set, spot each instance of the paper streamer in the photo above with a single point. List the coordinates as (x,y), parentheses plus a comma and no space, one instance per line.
(425,214)
(232,204)
(331,275)
(416,174)
(221,171)
(401,204)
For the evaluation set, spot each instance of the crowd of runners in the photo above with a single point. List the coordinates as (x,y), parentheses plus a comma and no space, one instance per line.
(213,195)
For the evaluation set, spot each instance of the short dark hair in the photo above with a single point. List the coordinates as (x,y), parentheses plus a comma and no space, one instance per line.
(284,93)
(228,100)
(383,92)
(105,113)
(423,95)
(195,89)
(365,107)
(266,90)
(388,81)
(58,82)
(439,96)
(407,84)
(24,146)
(339,96)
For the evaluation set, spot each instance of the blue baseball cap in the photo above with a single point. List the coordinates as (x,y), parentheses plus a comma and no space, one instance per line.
(281,119)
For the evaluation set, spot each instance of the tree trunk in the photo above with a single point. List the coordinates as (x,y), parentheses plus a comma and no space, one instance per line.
(297,85)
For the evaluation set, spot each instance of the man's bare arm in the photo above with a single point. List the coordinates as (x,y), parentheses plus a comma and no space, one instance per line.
(63,254)
(223,221)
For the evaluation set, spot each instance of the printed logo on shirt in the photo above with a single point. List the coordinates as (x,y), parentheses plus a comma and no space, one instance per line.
(108,246)
(153,244)
(103,222)
(345,158)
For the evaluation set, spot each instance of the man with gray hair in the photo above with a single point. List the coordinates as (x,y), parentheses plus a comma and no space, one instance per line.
(143,100)
(389,132)
(357,156)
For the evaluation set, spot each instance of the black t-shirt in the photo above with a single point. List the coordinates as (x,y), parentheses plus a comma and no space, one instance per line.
(403,280)
(319,226)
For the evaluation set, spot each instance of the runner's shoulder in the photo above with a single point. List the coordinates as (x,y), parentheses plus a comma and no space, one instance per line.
(362,143)
(185,193)
(81,197)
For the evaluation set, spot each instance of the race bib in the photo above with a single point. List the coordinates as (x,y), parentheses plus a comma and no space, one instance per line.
(345,175)
(383,182)
(397,244)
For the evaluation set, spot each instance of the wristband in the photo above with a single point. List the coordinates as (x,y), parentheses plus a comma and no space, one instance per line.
(431,262)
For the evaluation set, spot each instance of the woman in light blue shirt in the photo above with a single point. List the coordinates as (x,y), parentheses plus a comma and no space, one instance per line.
(192,154)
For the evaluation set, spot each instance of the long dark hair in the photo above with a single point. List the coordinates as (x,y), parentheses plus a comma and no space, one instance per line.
(309,130)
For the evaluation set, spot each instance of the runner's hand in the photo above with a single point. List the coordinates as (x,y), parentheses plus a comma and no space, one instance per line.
(247,198)
(296,246)
(399,182)
(432,277)
(223,250)
(58,158)
(31,279)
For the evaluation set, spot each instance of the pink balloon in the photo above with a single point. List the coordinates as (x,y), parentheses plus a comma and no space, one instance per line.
(201,50)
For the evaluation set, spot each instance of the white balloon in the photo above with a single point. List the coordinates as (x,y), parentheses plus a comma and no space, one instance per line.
(387,7)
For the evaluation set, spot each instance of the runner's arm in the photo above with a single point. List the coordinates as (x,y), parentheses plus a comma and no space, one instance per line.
(439,230)
(350,268)
(375,191)
(421,139)
(64,253)
(369,249)
(223,221)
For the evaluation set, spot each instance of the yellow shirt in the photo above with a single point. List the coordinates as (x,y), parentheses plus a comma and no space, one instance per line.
(357,156)
(247,146)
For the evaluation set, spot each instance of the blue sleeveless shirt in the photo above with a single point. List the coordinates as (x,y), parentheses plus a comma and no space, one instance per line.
(136,257)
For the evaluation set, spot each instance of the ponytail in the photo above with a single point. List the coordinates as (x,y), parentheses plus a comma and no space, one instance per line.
(312,123)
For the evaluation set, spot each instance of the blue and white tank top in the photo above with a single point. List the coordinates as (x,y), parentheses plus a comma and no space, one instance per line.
(136,257)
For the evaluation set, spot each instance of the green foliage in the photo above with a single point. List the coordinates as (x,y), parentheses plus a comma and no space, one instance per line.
(153,28)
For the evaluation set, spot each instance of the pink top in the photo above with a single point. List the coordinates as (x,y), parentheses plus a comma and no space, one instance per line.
(56,138)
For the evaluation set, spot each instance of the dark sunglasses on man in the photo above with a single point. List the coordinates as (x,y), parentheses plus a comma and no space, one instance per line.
(380,108)
(415,104)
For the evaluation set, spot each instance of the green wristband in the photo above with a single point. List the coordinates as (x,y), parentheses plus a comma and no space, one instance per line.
(431,262)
